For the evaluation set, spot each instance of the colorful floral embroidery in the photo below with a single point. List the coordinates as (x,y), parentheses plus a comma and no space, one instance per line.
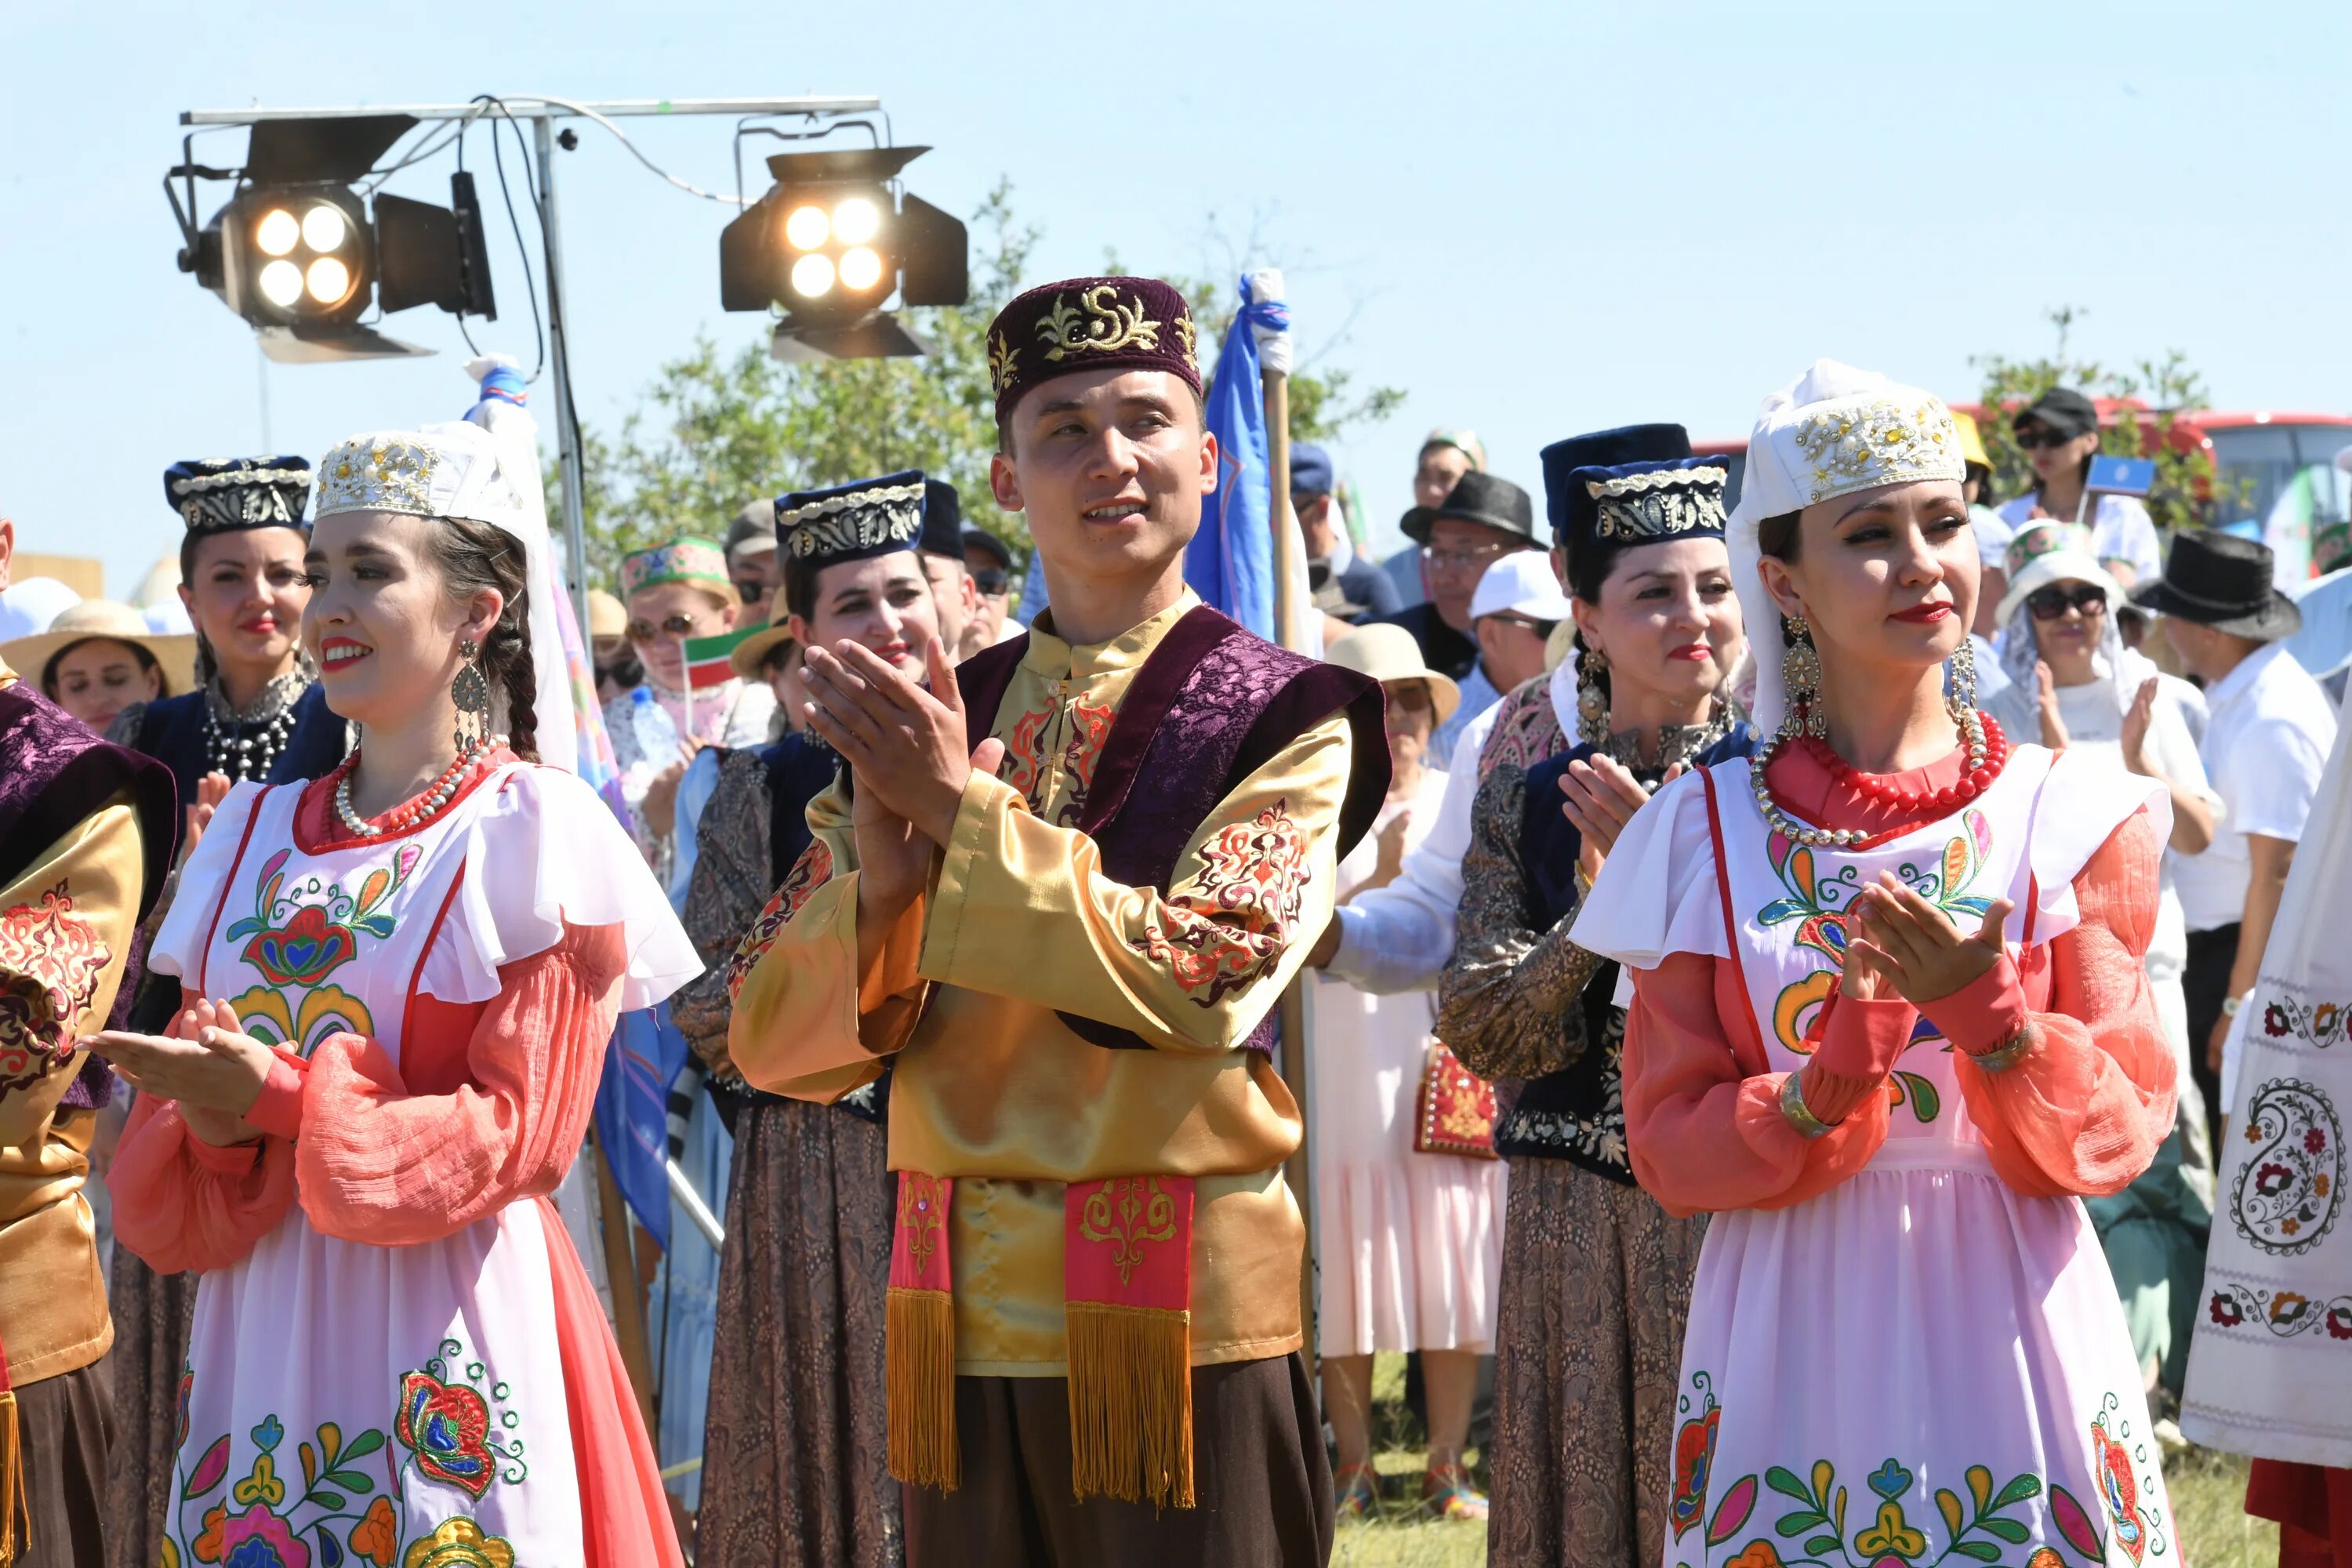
(1077,733)
(51,961)
(809,872)
(1232,921)
(353,1499)
(460,1543)
(1819,896)
(300,931)
(2317,1025)
(2287,1189)
(1694,1456)
(1982,1527)
(445,1423)
(2284,1313)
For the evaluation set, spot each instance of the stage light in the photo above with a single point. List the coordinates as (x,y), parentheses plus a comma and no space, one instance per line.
(806,228)
(856,220)
(861,269)
(832,243)
(295,253)
(323,227)
(277,232)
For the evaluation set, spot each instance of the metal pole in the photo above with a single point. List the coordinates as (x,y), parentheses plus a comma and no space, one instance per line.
(567,418)
(1297,1006)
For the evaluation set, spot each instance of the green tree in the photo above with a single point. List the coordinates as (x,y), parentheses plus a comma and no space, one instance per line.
(718,429)
(2154,391)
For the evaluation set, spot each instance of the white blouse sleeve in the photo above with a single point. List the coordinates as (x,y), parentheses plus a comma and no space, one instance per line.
(545,851)
(1658,893)
(178,941)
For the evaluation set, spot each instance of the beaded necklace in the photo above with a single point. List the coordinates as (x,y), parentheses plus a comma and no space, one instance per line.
(247,748)
(1988,753)
(422,807)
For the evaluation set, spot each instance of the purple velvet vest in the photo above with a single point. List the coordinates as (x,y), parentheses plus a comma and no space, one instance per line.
(54,773)
(1212,705)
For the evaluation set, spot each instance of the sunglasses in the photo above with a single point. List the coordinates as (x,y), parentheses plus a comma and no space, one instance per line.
(989,582)
(2049,604)
(751,589)
(2040,435)
(677,625)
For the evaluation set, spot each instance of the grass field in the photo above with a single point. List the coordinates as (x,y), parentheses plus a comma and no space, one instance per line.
(2208,1493)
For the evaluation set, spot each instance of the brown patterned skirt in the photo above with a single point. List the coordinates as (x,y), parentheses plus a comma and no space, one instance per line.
(1589,1349)
(151,1315)
(794,1446)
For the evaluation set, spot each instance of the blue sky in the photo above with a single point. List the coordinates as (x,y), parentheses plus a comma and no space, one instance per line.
(1536,218)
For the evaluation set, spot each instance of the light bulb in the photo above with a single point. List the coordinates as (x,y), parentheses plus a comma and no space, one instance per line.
(807,227)
(855,221)
(861,269)
(329,280)
(277,232)
(811,276)
(324,228)
(281,283)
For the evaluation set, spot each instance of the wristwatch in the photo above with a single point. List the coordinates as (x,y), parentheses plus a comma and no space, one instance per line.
(2230,1005)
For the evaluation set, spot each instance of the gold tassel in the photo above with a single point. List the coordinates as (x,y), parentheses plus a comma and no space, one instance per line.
(1130,1403)
(920,1387)
(13,1496)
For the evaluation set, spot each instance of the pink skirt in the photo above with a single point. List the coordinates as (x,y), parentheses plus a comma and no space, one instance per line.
(1410,1253)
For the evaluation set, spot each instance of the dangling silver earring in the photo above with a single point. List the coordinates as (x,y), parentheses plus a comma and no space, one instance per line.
(1801,678)
(471,693)
(1960,687)
(1591,694)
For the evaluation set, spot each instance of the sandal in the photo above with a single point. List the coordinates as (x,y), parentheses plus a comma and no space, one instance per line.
(1446,1492)
(1358,1491)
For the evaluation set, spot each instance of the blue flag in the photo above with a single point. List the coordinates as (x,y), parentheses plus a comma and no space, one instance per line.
(633,1113)
(1230,562)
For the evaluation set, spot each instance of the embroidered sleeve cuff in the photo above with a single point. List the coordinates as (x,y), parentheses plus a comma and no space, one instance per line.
(1985,1014)
(1792,1106)
(279,1110)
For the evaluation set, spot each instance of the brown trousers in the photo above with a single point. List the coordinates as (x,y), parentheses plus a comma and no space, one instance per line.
(64,1425)
(1260,1474)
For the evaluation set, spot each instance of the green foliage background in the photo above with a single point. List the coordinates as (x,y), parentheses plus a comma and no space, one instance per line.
(718,429)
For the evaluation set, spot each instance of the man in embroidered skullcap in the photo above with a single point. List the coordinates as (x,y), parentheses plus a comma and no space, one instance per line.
(1061,901)
(257,713)
(677,592)
(86,838)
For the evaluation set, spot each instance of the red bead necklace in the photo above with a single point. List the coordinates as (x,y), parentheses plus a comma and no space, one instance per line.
(1876,788)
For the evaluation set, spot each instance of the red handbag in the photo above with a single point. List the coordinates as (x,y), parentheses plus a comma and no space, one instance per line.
(1456,1110)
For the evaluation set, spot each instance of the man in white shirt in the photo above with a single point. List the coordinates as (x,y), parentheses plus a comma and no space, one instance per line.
(2265,744)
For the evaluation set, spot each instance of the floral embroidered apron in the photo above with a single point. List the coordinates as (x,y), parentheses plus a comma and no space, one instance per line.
(1922,1367)
(345,1403)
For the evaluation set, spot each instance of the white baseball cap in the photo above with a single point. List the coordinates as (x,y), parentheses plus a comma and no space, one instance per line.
(1520,584)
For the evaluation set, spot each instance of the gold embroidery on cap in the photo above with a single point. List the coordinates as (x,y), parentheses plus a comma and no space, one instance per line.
(1108,323)
(1001,357)
(1881,442)
(1658,504)
(1184,333)
(382,476)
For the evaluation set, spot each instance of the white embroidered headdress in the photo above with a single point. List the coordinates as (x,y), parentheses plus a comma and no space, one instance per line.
(1831,432)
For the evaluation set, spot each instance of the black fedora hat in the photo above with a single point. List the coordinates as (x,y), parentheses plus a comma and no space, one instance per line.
(2222,581)
(1477,497)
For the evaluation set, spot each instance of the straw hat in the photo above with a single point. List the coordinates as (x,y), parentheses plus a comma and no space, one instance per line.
(1389,654)
(753,651)
(30,656)
(607,616)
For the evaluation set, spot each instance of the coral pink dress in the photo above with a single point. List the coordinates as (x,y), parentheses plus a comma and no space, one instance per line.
(1904,1347)
(396,1357)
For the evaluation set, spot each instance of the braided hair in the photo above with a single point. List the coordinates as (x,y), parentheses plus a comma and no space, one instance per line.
(474,556)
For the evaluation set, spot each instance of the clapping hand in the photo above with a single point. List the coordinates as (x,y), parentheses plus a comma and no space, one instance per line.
(906,744)
(2137,720)
(2045,699)
(1901,942)
(1598,797)
(207,1063)
(211,790)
